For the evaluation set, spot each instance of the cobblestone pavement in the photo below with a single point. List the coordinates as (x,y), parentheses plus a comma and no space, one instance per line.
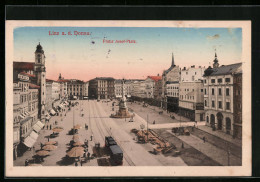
(190,155)
(222,135)
(215,153)
(217,141)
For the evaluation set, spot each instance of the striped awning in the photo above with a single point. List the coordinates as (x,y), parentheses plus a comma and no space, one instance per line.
(21,116)
(38,126)
(61,106)
(52,112)
(26,113)
(31,139)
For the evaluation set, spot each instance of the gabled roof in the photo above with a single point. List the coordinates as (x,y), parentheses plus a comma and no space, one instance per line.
(155,78)
(23,65)
(223,70)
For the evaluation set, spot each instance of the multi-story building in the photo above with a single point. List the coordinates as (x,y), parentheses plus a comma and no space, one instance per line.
(150,85)
(75,88)
(171,74)
(63,87)
(138,89)
(220,86)
(173,96)
(52,94)
(102,88)
(192,74)
(25,111)
(191,100)
(158,90)
(237,93)
(85,89)
(119,87)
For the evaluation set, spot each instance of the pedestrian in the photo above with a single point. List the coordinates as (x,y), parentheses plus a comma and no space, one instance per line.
(87,127)
(182,145)
(47,127)
(88,156)
(76,164)
(154,122)
(43,127)
(50,127)
(81,162)
(41,145)
(84,155)
(91,137)
(204,139)
(26,163)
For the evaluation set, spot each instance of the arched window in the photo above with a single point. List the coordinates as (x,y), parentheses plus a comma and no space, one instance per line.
(207,119)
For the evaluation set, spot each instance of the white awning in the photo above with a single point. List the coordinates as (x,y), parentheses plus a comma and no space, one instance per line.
(21,116)
(61,106)
(26,113)
(38,126)
(29,141)
(34,135)
(48,116)
(53,112)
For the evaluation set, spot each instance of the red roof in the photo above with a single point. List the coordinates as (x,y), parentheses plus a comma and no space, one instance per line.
(49,80)
(31,85)
(62,80)
(30,75)
(23,65)
(155,78)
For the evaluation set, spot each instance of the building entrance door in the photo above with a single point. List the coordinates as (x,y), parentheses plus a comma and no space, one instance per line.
(220,119)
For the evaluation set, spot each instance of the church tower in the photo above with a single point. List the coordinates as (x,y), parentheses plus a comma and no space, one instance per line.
(215,65)
(40,72)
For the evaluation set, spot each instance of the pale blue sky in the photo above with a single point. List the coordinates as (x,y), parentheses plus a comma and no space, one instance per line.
(77,57)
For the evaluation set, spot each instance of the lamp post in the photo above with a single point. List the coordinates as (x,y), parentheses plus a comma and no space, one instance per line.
(147,127)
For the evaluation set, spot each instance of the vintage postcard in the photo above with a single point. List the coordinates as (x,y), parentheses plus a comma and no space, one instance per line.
(128,98)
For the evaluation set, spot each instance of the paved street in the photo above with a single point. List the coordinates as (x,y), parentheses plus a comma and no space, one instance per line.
(96,116)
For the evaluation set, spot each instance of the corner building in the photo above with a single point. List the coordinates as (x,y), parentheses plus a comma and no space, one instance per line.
(219,90)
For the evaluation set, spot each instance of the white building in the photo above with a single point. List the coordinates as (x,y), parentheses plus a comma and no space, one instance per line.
(191,100)
(139,88)
(118,88)
(172,89)
(218,96)
(192,74)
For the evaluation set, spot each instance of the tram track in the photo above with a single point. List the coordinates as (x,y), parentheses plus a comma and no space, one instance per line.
(126,157)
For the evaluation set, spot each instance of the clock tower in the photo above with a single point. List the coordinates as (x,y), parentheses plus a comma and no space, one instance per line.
(40,73)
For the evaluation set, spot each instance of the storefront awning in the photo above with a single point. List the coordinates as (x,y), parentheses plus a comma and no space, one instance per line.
(29,141)
(21,116)
(34,135)
(38,126)
(26,113)
(53,112)
(61,106)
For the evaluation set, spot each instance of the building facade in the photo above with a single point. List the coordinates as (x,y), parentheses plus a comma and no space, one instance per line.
(191,100)
(172,96)
(75,88)
(118,88)
(171,74)
(220,89)
(40,73)
(102,88)
(192,74)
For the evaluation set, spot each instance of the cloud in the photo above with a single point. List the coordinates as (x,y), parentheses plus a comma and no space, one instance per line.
(216,36)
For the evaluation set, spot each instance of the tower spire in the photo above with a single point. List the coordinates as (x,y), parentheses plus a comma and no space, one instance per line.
(215,65)
(172,60)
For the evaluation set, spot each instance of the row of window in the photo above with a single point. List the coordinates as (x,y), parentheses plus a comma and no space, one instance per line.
(219,91)
(219,80)
(219,104)
(187,97)
(173,94)
(172,87)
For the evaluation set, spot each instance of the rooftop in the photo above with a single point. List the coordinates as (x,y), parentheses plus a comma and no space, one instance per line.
(223,70)
(33,86)
(155,78)
(23,65)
